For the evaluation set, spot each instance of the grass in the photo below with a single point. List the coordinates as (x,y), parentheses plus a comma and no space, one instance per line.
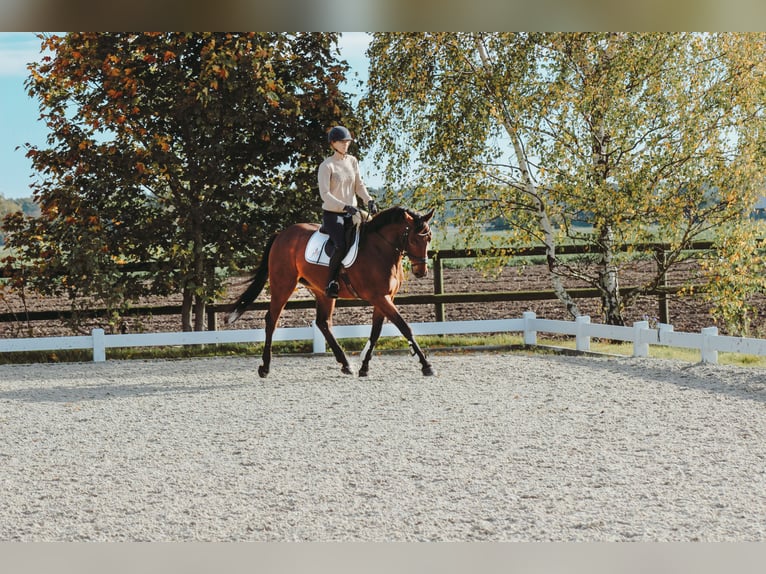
(662,352)
(432,344)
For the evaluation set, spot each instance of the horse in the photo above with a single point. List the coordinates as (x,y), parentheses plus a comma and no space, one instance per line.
(375,277)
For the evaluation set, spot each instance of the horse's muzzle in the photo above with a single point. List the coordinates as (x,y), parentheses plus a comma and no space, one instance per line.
(419,268)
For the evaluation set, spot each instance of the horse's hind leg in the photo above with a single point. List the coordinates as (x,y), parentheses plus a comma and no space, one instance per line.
(377,326)
(263,370)
(272,317)
(325,307)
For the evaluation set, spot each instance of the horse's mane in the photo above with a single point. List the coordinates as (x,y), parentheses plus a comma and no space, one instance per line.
(388,216)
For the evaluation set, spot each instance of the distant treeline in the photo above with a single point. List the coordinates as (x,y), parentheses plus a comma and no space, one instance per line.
(11,205)
(25,204)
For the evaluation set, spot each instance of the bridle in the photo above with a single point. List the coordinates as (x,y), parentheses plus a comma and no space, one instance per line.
(404,240)
(426,232)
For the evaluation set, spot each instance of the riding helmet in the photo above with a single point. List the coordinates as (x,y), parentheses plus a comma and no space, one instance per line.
(339,133)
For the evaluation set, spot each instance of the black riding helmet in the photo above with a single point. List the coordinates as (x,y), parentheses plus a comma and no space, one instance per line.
(339,133)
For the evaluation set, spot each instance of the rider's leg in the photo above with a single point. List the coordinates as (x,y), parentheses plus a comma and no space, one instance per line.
(333,224)
(333,288)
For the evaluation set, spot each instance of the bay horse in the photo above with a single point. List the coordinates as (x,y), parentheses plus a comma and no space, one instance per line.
(375,277)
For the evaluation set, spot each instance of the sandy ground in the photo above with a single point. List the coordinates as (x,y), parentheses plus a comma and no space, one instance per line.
(496,447)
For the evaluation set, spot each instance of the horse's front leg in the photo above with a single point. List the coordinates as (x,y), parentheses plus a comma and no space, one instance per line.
(377,326)
(325,307)
(387,308)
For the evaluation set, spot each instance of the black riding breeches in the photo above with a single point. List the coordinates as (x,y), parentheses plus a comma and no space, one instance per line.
(337,226)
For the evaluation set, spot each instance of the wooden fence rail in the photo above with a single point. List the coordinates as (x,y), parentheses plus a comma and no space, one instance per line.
(439,299)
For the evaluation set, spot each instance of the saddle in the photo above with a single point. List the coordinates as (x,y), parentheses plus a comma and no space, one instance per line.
(319,244)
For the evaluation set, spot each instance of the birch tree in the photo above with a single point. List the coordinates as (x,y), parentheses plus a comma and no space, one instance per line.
(643,136)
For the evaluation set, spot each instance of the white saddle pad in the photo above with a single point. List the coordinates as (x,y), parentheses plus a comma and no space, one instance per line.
(315,252)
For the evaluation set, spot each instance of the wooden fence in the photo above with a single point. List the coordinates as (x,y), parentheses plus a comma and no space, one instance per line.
(439,298)
(708,342)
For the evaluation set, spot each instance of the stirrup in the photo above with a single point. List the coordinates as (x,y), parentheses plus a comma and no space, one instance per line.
(332,290)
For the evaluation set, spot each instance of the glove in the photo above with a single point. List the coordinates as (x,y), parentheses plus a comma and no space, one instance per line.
(372,207)
(356,215)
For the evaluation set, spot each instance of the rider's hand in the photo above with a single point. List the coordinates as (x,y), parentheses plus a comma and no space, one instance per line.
(350,209)
(372,207)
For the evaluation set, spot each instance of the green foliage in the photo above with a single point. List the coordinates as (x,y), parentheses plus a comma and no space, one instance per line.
(641,136)
(186,150)
(735,273)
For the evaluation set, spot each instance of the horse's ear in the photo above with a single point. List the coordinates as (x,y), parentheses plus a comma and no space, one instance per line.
(428,215)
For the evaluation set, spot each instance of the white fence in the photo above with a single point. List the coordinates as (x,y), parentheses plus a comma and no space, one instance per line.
(708,342)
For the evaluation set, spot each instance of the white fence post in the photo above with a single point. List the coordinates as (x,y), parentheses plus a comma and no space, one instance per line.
(708,354)
(640,346)
(99,346)
(582,341)
(318,339)
(530,336)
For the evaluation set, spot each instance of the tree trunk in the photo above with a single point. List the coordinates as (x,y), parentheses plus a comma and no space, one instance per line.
(197,218)
(550,255)
(186,310)
(608,275)
(199,313)
(608,279)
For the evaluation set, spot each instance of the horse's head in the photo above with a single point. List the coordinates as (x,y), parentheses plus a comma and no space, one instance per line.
(418,239)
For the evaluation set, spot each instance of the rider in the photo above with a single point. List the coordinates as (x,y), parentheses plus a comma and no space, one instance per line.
(339,184)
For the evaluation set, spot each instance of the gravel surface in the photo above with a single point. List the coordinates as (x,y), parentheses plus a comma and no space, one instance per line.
(497,447)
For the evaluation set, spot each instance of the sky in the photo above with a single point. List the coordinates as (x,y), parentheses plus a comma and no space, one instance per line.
(19,114)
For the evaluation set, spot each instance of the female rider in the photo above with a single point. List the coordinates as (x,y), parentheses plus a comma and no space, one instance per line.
(339,185)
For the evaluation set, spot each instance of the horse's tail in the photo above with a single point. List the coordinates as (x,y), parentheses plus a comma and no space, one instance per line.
(255,288)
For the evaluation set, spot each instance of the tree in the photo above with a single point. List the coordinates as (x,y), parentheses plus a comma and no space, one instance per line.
(651,136)
(183,150)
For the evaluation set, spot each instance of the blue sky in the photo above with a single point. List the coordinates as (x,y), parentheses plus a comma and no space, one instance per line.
(19,114)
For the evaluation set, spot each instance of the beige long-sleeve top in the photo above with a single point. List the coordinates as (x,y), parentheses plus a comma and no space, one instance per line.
(340,183)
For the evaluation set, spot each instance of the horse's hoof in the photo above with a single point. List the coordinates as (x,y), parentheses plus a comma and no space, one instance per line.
(345,370)
(363,372)
(428,371)
(262,372)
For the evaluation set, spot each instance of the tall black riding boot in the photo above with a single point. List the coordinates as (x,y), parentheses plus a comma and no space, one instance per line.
(333,288)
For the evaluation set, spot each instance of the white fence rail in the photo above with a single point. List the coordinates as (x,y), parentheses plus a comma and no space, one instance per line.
(708,342)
